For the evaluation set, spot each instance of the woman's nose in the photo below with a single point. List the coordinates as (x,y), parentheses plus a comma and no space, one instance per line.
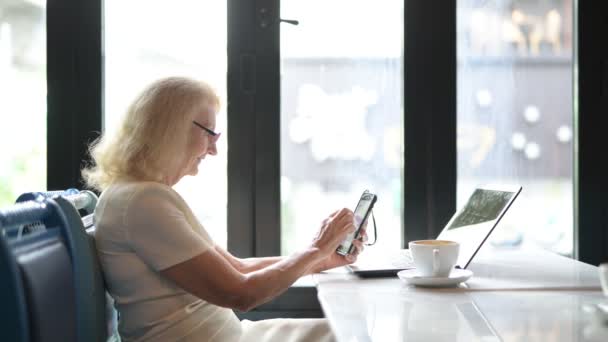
(212,150)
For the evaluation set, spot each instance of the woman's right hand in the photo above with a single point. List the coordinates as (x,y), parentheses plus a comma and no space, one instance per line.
(333,231)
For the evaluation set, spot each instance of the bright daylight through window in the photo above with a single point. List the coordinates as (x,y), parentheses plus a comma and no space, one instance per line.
(190,42)
(23,105)
(341,115)
(515,114)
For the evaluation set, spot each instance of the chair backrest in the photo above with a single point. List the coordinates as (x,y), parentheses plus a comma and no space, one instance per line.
(89,267)
(38,271)
(90,289)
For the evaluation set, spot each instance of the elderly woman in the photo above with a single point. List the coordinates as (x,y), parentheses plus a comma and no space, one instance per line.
(170,281)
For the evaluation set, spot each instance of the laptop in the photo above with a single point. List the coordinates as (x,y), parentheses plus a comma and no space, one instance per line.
(470,226)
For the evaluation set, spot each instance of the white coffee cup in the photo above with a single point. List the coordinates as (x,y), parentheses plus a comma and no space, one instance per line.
(434,258)
(603,273)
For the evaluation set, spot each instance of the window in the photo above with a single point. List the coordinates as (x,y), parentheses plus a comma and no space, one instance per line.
(169,41)
(184,38)
(515,114)
(341,115)
(23,105)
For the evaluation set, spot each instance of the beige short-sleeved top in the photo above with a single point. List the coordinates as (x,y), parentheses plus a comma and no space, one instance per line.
(143,228)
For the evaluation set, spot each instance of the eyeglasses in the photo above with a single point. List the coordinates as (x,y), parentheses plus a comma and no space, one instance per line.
(214,135)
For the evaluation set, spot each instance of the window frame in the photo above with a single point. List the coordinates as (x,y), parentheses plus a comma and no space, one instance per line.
(429,147)
(591,94)
(254,101)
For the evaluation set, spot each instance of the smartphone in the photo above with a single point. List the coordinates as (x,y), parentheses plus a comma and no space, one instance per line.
(364,207)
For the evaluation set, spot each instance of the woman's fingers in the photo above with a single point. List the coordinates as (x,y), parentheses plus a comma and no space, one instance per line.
(343,222)
(330,217)
(334,213)
(341,214)
(359,247)
(345,217)
(352,257)
(334,229)
(363,236)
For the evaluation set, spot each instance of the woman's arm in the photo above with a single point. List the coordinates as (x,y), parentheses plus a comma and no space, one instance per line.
(247,265)
(213,277)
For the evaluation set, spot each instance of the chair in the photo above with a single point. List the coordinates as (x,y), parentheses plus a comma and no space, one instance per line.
(96,316)
(37,290)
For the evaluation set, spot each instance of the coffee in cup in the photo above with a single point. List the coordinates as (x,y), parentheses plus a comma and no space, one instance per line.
(434,258)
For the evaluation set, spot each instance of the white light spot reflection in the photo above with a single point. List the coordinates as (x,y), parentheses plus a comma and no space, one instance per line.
(484,98)
(564,134)
(531,114)
(532,151)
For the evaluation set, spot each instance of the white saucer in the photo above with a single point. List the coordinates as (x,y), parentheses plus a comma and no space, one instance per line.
(456,277)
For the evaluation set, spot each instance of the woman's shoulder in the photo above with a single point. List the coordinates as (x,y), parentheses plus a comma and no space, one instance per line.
(149,195)
(125,196)
(134,190)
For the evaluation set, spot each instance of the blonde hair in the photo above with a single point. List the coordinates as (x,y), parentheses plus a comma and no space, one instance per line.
(153,138)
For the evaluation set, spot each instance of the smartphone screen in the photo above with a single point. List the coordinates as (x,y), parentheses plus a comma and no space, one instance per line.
(365,205)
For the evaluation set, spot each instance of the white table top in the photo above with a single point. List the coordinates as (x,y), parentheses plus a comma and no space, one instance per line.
(514,295)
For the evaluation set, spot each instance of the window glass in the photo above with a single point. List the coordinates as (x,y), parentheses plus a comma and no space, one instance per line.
(171,38)
(341,115)
(515,114)
(23,104)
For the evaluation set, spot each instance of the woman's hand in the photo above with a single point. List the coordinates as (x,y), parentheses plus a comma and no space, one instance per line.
(333,231)
(334,259)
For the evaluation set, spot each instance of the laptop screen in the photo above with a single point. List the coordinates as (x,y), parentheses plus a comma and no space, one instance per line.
(474,222)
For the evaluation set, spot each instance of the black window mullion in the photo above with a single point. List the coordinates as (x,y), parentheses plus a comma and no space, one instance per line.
(241,89)
(253,126)
(74,83)
(429,117)
(591,172)
(267,130)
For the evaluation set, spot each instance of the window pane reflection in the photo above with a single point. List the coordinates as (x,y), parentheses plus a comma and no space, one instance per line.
(341,115)
(515,122)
